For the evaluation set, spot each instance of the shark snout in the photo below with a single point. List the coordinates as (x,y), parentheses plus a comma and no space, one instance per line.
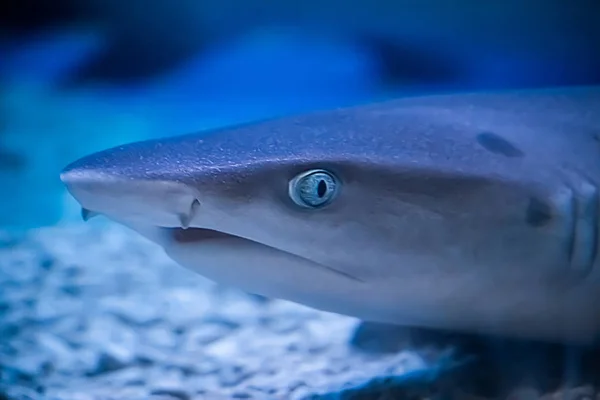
(127,198)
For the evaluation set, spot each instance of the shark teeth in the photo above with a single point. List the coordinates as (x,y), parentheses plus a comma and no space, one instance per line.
(86,214)
(187,218)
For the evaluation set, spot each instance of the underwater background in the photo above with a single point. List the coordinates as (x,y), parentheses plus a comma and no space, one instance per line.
(91,311)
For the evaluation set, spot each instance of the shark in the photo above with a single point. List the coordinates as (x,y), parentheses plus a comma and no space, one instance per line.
(473,211)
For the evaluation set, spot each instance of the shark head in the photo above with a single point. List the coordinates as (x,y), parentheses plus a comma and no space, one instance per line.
(380,212)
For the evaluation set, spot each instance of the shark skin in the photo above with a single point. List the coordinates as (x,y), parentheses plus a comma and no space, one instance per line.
(474,212)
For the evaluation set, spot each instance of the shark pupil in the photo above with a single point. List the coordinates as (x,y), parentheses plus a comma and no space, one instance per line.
(322,188)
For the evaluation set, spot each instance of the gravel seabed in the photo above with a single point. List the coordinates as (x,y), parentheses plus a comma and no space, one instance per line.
(93,311)
(96,312)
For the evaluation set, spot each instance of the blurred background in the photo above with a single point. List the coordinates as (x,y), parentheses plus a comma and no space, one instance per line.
(77,76)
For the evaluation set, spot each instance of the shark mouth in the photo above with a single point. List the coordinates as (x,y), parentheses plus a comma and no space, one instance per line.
(186,236)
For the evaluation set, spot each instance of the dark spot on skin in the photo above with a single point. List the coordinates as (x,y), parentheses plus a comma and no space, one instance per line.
(322,188)
(498,145)
(538,213)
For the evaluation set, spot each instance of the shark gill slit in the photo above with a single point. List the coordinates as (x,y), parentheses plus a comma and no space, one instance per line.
(585,205)
(578,205)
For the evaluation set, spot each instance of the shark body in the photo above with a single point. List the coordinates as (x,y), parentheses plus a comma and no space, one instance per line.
(474,212)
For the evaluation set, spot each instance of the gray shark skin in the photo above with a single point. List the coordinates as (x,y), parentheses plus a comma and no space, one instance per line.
(474,212)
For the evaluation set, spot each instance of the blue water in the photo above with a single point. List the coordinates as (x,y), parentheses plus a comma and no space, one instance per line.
(259,76)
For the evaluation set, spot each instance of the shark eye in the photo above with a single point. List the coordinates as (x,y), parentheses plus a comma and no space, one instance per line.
(314,188)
